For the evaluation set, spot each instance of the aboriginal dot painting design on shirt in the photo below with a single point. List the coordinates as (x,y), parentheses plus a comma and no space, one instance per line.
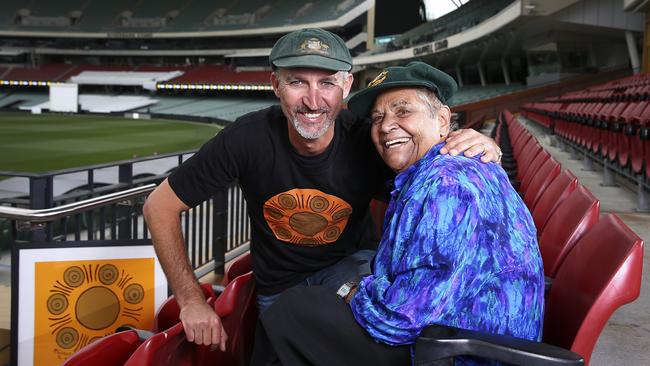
(306,217)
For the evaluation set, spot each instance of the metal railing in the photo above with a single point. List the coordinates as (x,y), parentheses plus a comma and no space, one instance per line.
(51,214)
(113,213)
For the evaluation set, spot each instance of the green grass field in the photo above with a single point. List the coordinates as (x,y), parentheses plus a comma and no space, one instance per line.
(38,143)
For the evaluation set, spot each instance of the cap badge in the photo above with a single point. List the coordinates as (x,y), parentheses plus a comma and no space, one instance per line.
(378,79)
(313,45)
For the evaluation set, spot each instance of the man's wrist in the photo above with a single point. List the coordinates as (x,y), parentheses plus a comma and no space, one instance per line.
(347,291)
(351,294)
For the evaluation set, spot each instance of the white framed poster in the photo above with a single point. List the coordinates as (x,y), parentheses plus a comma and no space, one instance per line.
(67,295)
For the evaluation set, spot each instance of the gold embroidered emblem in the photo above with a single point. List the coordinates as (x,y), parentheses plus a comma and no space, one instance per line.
(306,217)
(312,45)
(378,79)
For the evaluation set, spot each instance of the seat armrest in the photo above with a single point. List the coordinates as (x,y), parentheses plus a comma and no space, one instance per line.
(218,289)
(143,335)
(548,283)
(438,343)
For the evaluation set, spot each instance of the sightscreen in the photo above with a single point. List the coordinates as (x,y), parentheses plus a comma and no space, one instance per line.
(64,98)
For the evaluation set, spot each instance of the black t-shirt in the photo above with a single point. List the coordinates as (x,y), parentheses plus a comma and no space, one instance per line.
(306,212)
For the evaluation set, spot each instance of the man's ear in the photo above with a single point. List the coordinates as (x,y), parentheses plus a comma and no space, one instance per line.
(275,83)
(347,84)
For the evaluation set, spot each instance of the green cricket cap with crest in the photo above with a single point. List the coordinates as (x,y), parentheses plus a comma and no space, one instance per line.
(311,48)
(415,74)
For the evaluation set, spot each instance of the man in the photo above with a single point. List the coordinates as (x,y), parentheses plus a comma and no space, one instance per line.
(459,248)
(307,170)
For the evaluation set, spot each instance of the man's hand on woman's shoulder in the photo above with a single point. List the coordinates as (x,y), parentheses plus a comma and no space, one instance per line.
(472,143)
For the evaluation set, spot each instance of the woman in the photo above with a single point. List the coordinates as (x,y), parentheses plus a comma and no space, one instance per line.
(458,245)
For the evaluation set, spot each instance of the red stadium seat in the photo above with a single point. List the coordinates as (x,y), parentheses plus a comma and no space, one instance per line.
(532,170)
(630,115)
(573,217)
(608,138)
(240,266)
(552,197)
(112,350)
(168,312)
(237,308)
(377,211)
(645,137)
(634,131)
(579,305)
(587,298)
(541,180)
(528,154)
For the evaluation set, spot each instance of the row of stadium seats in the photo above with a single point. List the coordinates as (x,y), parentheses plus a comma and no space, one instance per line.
(165,344)
(165,16)
(632,88)
(615,132)
(227,109)
(206,74)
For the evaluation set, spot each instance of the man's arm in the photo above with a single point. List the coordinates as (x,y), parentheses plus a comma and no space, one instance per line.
(472,143)
(162,213)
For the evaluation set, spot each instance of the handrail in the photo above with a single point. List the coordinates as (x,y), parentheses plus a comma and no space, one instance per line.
(51,214)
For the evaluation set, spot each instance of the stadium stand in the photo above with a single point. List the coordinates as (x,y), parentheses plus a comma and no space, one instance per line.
(227,109)
(19,99)
(468,15)
(221,74)
(51,72)
(471,93)
(166,16)
(145,79)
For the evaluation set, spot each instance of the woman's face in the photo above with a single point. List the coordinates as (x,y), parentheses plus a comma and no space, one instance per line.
(404,128)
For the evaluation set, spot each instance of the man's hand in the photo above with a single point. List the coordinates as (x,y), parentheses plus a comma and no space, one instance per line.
(203,326)
(472,143)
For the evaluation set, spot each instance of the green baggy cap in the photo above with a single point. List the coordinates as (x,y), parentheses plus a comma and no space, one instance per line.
(313,48)
(415,74)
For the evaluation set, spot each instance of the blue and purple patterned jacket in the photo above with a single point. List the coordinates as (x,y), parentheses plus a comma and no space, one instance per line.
(459,247)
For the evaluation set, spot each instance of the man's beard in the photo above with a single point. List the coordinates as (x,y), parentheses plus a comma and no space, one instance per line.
(311,134)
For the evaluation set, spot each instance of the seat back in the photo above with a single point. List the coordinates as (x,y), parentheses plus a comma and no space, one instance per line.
(165,348)
(528,154)
(533,169)
(558,190)
(112,350)
(377,211)
(237,309)
(601,273)
(167,315)
(538,184)
(568,223)
(240,266)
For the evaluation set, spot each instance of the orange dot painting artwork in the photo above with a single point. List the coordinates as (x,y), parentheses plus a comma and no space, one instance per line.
(78,302)
(306,217)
